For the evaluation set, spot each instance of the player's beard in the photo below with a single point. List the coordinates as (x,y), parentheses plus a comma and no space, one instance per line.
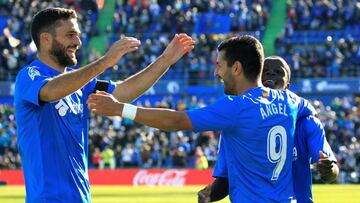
(59,53)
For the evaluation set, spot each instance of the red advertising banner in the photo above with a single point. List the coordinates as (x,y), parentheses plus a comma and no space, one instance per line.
(135,177)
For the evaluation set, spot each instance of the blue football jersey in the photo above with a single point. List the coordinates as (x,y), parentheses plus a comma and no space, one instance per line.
(309,140)
(258,134)
(220,169)
(52,138)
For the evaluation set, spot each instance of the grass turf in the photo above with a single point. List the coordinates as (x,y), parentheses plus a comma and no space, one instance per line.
(113,194)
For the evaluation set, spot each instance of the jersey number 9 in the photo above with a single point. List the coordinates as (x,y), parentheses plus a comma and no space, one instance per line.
(277,156)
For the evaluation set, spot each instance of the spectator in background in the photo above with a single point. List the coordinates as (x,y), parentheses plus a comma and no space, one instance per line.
(145,154)
(201,161)
(179,157)
(127,155)
(97,158)
(108,159)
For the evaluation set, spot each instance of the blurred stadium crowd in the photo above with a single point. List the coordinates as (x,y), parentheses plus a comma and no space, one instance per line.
(330,49)
(152,21)
(321,38)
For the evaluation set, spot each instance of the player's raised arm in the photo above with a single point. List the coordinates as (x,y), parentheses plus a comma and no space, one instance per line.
(136,85)
(105,104)
(69,82)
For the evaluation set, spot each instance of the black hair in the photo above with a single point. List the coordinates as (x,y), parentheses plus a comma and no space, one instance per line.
(46,21)
(248,51)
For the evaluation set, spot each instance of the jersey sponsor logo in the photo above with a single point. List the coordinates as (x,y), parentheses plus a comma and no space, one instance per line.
(62,107)
(162,178)
(33,72)
(68,103)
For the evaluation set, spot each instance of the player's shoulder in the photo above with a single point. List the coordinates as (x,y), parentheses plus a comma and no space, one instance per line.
(227,99)
(258,96)
(310,120)
(28,72)
(296,99)
(293,96)
(310,125)
(32,70)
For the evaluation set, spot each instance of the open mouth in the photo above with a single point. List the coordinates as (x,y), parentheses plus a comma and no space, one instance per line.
(269,83)
(71,51)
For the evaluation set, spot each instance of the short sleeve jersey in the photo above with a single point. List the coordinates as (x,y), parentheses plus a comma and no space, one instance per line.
(52,138)
(309,140)
(258,134)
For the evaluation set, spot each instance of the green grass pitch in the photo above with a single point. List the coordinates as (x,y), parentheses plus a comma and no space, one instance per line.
(113,194)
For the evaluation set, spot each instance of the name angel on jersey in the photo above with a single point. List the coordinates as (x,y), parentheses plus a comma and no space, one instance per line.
(273,109)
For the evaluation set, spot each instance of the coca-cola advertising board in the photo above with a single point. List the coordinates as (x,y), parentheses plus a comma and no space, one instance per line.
(135,177)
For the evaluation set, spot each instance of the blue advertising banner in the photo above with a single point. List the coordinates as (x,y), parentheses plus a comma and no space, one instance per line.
(322,89)
(328,86)
(167,87)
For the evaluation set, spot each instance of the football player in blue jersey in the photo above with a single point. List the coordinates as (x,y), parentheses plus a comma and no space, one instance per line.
(310,146)
(51,110)
(257,123)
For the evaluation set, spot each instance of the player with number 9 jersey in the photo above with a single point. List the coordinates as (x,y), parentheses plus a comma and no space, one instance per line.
(258,134)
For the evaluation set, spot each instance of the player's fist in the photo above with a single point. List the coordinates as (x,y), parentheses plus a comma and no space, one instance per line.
(327,168)
(120,48)
(204,194)
(179,45)
(103,103)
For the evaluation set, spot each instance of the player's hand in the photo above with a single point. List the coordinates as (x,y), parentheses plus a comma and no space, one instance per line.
(178,47)
(204,194)
(325,167)
(104,104)
(120,48)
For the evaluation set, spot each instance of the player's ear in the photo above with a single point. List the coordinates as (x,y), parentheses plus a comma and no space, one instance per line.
(237,68)
(45,39)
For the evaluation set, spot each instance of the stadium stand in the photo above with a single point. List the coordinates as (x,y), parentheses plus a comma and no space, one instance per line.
(155,22)
(321,37)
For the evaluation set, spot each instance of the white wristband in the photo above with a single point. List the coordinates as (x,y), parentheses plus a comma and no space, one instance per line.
(129,111)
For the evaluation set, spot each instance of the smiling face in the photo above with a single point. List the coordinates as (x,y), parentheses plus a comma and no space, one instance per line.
(65,42)
(224,73)
(276,73)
